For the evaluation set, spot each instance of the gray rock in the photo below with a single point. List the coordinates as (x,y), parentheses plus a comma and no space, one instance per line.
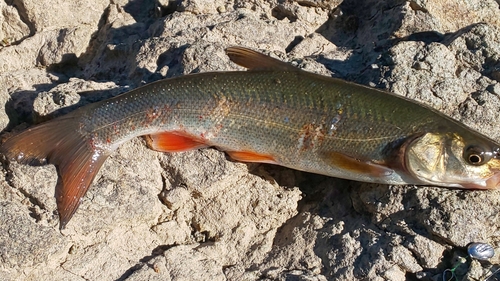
(12,28)
(62,13)
(198,216)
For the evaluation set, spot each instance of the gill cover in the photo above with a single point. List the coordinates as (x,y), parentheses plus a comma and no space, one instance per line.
(447,160)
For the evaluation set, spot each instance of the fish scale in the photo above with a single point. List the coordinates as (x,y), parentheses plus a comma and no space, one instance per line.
(258,106)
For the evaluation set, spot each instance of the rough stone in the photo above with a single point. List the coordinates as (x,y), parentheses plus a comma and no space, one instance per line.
(450,16)
(198,216)
(62,13)
(428,251)
(12,28)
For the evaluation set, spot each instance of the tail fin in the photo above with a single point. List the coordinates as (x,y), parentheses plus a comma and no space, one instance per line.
(60,143)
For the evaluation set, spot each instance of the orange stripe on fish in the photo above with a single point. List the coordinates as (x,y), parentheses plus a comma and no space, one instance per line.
(180,141)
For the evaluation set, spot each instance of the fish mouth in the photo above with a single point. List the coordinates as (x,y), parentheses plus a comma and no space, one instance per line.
(492,182)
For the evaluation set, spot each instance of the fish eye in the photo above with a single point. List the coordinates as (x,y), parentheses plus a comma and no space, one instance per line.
(476,156)
(475,159)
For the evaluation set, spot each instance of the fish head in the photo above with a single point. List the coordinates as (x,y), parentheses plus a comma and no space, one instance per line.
(466,160)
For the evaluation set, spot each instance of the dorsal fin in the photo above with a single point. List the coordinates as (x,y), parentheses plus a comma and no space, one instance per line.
(256,61)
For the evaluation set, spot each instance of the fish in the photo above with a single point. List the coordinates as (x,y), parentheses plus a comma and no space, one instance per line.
(272,113)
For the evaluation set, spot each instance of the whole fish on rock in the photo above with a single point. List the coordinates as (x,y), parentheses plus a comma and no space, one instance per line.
(273,113)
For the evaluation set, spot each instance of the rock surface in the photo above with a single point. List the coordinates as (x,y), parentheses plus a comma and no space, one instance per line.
(198,216)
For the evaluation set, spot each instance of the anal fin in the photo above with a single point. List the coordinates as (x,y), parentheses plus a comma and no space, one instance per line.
(174,142)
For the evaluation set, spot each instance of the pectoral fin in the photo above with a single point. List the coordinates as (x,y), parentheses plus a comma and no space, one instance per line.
(352,164)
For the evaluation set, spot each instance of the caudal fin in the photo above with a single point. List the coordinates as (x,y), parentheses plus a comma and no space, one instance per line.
(60,143)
